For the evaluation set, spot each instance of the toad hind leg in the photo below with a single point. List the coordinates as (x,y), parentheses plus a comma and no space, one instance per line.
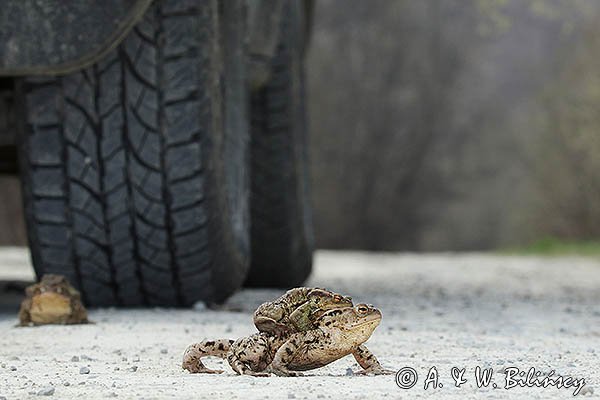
(250,355)
(284,355)
(269,325)
(238,366)
(267,317)
(369,362)
(194,352)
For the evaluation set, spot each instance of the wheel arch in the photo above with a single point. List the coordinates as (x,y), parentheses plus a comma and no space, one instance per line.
(52,37)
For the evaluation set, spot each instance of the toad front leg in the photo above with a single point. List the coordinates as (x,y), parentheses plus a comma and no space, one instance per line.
(24,315)
(369,362)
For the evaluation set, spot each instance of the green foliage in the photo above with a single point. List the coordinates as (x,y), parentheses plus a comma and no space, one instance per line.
(567,169)
(555,247)
(493,19)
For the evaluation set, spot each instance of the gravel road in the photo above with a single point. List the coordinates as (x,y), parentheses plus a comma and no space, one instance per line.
(442,310)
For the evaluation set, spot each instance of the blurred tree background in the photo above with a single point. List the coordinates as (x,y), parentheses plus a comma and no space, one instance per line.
(454,124)
(446,124)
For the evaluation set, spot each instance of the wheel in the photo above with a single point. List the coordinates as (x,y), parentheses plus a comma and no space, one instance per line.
(135,169)
(281,224)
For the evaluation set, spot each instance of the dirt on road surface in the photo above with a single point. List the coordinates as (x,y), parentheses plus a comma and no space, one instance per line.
(442,310)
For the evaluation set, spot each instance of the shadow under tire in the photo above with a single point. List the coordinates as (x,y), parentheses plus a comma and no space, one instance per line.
(135,170)
(281,221)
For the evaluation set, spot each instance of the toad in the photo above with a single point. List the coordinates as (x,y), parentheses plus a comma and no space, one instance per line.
(52,301)
(296,310)
(337,333)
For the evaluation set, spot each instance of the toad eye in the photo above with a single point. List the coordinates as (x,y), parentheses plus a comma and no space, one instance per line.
(362,309)
(337,298)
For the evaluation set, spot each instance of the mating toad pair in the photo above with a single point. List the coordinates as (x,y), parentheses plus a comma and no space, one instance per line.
(306,328)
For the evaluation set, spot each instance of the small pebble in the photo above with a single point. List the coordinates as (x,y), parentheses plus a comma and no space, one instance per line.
(164,351)
(84,370)
(587,390)
(75,359)
(200,306)
(291,396)
(46,391)
(117,368)
(84,357)
(136,358)
(349,372)
(133,369)
(112,394)
(13,368)
(67,384)
(14,358)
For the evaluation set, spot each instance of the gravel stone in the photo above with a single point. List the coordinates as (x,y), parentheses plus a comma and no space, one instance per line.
(46,391)
(587,390)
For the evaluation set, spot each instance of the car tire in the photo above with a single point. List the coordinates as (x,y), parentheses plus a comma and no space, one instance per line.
(135,169)
(281,222)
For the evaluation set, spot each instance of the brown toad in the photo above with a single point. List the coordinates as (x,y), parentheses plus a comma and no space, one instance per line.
(52,301)
(338,332)
(296,310)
